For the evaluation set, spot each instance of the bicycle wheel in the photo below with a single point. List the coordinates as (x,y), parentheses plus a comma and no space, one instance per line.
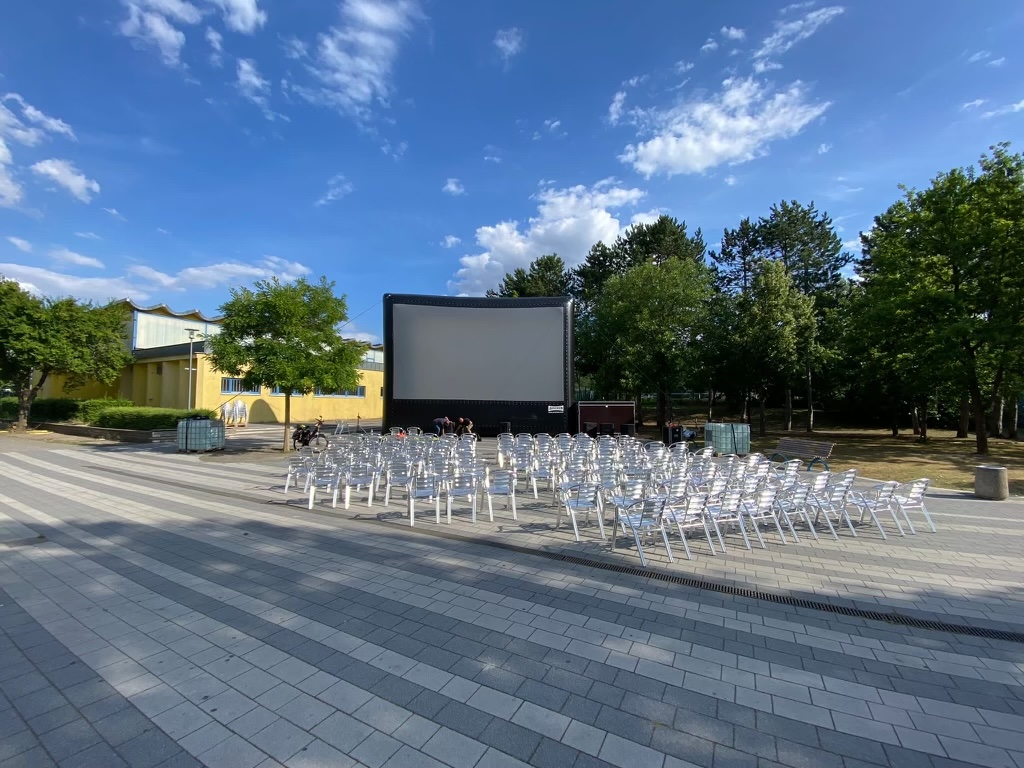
(319,442)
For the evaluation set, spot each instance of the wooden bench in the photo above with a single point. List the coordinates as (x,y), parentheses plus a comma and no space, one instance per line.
(795,448)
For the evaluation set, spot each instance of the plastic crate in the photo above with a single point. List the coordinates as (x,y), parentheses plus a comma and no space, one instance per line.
(200,435)
(727,438)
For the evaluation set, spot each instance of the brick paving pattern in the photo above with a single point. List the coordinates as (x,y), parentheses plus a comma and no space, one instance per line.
(185,612)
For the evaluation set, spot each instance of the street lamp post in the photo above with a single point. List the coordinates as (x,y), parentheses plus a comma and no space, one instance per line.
(191,338)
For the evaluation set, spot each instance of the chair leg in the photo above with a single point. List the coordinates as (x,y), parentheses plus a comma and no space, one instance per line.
(707,535)
(906,517)
(600,522)
(718,532)
(514,515)
(287,482)
(575,527)
(474,507)
(743,531)
(756,525)
(896,520)
(412,511)
(789,524)
(312,493)
(668,547)
(348,495)
(878,523)
(639,547)
(334,497)
(843,514)
(387,493)
(927,517)
(828,522)
(534,481)
(490,507)
(437,509)
(778,527)
(448,507)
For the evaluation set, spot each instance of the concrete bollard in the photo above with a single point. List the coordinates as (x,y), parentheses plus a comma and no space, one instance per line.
(990,482)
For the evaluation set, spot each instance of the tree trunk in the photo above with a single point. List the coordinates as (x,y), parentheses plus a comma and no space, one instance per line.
(923,422)
(915,420)
(746,407)
(662,407)
(965,416)
(711,403)
(980,427)
(762,431)
(895,416)
(639,399)
(810,401)
(287,421)
(26,396)
(997,416)
(789,409)
(1012,417)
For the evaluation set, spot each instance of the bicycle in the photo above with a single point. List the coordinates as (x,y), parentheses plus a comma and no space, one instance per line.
(314,437)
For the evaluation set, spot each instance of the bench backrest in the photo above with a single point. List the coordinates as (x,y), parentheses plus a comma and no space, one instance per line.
(810,449)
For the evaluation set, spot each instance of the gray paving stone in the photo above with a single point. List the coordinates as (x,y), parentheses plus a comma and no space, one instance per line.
(281,739)
(342,732)
(182,720)
(407,757)
(415,731)
(495,702)
(233,752)
(975,753)
(319,754)
(454,749)
(541,720)
(305,711)
(628,754)
(376,750)
(381,715)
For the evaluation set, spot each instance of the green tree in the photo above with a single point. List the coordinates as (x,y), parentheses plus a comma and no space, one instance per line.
(660,241)
(735,260)
(41,337)
(645,327)
(546,276)
(775,320)
(287,335)
(942,270)
(805,241)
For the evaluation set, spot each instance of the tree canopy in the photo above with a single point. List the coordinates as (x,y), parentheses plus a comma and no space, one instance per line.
(287,335)
(42,337)
(546,276)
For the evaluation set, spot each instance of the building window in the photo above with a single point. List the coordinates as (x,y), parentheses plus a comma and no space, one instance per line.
(357,392)
(231,386)
(279,391)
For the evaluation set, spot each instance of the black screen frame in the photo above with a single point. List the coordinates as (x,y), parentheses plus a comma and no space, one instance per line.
(489,416)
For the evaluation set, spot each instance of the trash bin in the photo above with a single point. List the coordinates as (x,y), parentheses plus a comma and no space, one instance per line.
(506,427)
(727,438)
(672,434)
(200,434)
(628,429)
(991,482)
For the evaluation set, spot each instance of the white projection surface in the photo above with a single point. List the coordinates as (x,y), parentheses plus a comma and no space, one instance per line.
(478,353)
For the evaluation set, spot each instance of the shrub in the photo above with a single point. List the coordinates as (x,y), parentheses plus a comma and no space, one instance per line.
(89,410)
(54,409)
(146,418)
(8,407)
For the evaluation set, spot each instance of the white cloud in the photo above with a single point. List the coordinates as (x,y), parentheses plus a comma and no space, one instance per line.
(634,81)
(143,283)
(337,187)
(789,33)
(764,65)
(39,118)
(798,6)
(682,67)
(115,213)
(972,104)
(88,235)
(730,181)
(450,241)
(492,159)
(735,125)
(852,245)
(616,107)
(253,86)
(453,187)
(733,33)
(709,45)
(647,217)
(1008,109)
(10,189)
(824,149)
(223,273)
(66,256)
(65,174)
(242,16)
(568,222)
(162,231)
(216,41)
(394,151)
(979,56)
(354,60)
(149,24)
(350,331)
(21,245)
(509,43)
(295,49)
(996,62)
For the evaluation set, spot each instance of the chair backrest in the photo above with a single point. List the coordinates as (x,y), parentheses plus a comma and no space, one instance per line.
(650,510)
(422,484)
(502,481)
(885,491)
(820,480)
(913,492)
(463,485)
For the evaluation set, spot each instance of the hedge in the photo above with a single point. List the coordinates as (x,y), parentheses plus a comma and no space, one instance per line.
(61,408)
(146,418)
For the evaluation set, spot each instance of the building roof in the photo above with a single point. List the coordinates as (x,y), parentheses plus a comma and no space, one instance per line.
(163,309)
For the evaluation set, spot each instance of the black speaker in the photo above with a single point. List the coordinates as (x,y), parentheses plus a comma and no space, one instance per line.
(605,428)
(506,426)
(628,429)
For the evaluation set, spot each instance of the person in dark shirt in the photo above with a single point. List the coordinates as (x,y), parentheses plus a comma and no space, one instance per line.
(464,426)
(442,424)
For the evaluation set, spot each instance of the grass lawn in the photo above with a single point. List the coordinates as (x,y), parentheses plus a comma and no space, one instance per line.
(946,460)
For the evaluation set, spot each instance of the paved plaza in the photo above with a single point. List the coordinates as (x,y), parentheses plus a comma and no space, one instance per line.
(161,609)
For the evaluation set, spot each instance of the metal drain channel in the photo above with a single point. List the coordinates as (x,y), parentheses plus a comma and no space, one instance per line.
(887,617)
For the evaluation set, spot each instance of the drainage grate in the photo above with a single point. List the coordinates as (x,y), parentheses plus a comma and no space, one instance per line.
(653,574)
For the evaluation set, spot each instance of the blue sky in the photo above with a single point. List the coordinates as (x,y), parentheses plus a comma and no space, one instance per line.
(169,149)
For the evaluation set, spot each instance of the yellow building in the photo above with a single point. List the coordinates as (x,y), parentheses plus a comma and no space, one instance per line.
(159,377)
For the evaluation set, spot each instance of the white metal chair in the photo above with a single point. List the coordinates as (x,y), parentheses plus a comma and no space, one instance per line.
(397,475)
(327,479)
(760,508)
(791,503)
(502,482)
(689,512)
(427,488)
(357,476)
(298,469)
(462,487)
(580,498)
(879,498)
(910,496)
(643,519)
(725,510)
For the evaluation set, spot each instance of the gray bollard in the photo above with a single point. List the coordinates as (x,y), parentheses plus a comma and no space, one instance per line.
(990,482)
